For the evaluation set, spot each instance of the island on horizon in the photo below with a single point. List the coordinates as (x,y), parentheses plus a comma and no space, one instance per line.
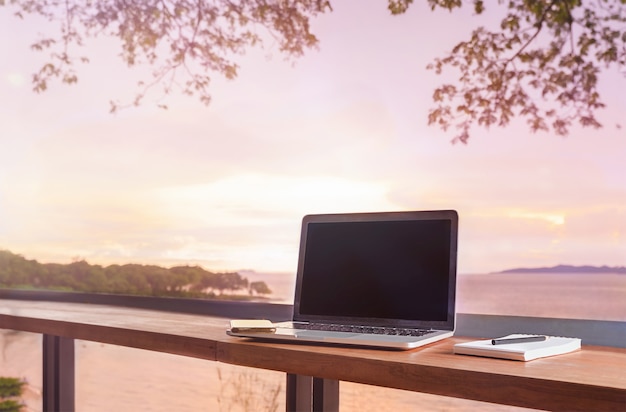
(568,269)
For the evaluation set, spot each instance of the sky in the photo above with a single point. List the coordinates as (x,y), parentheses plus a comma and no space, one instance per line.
(342,129)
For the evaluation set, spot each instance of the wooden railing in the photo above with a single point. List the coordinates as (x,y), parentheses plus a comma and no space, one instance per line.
(592,379)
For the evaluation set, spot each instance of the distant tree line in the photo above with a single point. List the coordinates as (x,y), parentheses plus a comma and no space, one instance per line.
(133,279)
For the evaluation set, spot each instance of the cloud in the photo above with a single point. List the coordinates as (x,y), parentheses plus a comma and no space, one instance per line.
(253,220)
(250,194)
(15,79)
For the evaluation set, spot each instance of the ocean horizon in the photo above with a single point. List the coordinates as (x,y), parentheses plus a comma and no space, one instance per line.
(570,295)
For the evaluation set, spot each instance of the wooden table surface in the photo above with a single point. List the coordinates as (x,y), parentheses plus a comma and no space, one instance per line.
(593,378)
(180,334)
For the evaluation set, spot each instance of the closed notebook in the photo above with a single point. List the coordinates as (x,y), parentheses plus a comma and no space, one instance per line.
(553,345)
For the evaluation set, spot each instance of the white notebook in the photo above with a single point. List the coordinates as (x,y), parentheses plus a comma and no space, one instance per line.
(519,351)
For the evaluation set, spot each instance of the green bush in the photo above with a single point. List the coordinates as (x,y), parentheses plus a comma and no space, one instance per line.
(10,387)
(10,406)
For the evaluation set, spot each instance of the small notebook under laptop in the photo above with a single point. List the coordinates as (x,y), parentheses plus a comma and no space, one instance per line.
(373,279)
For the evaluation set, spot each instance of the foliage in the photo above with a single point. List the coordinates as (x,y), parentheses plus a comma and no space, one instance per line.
(542,63)
(259,288)
(133,279)
(10,387)
(247,391)
(177,38)
(10,406)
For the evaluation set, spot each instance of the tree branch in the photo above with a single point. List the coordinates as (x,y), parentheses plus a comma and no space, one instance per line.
(539,25)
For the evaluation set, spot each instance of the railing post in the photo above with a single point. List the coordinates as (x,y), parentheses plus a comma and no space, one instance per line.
(299,393)
(308,394)
(58,374)
(325,395)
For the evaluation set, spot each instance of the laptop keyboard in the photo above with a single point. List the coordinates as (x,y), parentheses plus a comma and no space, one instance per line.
(378,330)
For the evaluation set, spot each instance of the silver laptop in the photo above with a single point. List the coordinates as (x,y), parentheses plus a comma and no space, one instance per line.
(373,279)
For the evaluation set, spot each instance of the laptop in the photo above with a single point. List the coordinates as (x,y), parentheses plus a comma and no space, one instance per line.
(385,280)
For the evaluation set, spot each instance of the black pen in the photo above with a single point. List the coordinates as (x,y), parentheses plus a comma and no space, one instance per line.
(525,339)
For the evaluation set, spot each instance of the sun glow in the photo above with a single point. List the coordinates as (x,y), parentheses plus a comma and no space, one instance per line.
(15,79)
(553,218)
(252,220)
(244,199)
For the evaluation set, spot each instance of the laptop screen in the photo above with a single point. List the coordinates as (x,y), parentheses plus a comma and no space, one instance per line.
(380,268)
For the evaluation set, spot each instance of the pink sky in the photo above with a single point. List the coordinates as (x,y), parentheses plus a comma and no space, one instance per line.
(342,130)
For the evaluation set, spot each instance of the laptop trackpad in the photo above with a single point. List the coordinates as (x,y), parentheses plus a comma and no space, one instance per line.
(320,334)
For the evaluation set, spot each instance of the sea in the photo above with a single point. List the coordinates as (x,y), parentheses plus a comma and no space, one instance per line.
(598,296)
(114,378)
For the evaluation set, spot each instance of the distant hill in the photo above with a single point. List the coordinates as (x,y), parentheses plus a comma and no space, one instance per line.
(569,269)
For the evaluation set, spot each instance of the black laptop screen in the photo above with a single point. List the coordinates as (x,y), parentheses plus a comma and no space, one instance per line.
(399,270)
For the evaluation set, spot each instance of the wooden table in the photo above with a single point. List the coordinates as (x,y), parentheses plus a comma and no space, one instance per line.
(591,379)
